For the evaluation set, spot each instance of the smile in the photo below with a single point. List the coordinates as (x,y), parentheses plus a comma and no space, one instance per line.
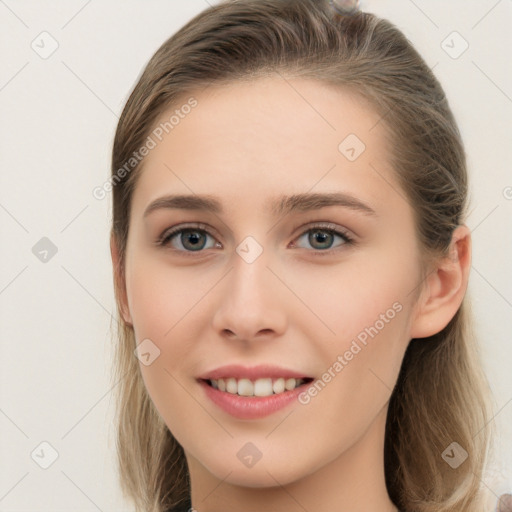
(259,387)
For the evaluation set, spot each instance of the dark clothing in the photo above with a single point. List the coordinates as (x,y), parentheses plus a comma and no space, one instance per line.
(181,508)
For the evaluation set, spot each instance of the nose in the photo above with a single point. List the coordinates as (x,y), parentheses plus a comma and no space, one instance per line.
(251,302)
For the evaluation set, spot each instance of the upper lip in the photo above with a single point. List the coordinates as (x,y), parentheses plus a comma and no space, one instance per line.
(252,372)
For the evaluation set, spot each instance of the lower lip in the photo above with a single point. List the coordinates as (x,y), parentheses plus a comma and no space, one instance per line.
(250,408)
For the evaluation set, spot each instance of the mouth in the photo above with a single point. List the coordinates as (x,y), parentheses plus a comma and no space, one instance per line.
(261,387)
(252,393)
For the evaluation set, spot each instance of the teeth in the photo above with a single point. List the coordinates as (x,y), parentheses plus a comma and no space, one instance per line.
(278,386)
(245,387)
(263,387)
(289,384)
(231,386)
(260,387)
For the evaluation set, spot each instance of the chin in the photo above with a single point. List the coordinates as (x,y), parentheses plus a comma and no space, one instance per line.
(271,472)
(264,477)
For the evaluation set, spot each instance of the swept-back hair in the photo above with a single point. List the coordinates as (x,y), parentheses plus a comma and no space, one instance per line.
(442,395)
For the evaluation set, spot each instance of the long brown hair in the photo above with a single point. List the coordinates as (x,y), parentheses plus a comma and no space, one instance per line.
(442,395)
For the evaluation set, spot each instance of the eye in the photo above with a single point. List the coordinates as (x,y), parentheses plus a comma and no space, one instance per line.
(188,239)
(322,237)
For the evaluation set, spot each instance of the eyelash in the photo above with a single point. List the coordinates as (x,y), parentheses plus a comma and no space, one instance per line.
(168,235)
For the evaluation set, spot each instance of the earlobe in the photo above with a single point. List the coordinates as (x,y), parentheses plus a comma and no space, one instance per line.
(444,287)
(119,281)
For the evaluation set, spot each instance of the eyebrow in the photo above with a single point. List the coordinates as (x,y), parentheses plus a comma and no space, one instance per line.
(281,205)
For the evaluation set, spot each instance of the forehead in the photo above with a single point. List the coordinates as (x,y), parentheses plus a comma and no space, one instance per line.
(274,109)
(259,136)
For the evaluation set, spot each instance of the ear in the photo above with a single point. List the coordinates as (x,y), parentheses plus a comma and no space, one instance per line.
(119,281)
(444,287)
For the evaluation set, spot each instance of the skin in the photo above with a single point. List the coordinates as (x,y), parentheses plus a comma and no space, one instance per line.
(246,143)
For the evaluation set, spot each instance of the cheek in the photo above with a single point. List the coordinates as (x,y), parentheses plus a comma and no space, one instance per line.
(166,307)
(162,303)
(353,298)
(365,312)
(162,299)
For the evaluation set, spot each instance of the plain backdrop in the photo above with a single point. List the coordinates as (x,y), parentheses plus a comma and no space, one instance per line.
(58,116)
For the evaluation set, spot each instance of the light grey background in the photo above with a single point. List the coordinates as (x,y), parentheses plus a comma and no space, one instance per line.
(58,116)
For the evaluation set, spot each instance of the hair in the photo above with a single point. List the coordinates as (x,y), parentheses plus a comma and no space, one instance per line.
(442,394)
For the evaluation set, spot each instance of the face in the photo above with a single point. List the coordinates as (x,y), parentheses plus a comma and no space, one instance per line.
(318,287)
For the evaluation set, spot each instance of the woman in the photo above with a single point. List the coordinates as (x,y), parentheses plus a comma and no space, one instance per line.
(291,262)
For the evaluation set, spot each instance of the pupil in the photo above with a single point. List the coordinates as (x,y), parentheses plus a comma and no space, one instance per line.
(320,236)
(191,237)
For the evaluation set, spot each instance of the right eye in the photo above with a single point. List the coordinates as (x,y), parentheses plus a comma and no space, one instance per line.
(186,239)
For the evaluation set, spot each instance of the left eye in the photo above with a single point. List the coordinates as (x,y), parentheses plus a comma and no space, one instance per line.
(322,238)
